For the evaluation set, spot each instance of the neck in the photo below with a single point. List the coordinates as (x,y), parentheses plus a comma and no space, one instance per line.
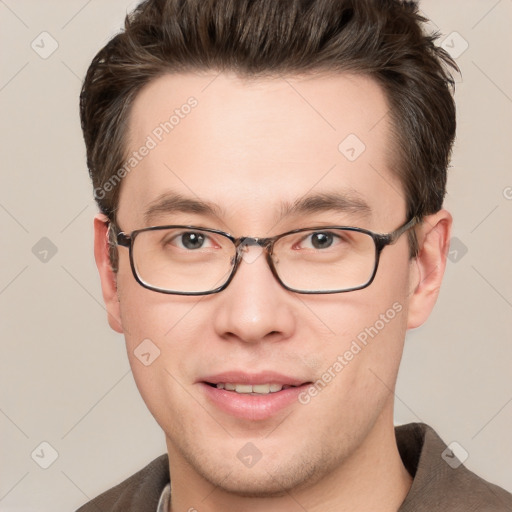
(372,478)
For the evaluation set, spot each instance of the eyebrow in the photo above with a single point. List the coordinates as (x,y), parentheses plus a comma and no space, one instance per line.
(349,202)
(170,202)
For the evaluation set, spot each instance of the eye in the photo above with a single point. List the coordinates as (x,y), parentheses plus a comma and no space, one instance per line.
(322,240)
(319,240)
(191,240)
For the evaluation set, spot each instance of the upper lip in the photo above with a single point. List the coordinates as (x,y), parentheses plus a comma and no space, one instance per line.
(265,377)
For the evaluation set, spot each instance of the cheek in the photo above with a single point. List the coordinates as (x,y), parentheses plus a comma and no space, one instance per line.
(149,314)
(359,369)
(159,330)
(361,355)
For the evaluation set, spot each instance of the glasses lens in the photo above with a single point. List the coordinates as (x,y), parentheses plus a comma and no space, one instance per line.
(325,260)
(183,260)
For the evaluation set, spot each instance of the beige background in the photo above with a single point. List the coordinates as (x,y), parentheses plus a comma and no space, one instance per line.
(64,375)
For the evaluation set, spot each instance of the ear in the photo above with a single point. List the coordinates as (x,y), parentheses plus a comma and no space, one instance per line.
(107,275)
(427,269)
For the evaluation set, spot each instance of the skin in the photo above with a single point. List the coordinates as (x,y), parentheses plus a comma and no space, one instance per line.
(248,146)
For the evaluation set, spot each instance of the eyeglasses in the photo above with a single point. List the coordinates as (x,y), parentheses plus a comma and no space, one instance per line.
(189,260)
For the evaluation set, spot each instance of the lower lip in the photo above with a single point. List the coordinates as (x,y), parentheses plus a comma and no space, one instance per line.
(252,407)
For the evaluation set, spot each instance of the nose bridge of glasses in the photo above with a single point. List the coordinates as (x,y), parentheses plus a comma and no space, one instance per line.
(243,243)
(258,245)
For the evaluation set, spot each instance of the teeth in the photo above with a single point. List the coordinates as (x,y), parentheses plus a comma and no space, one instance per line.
(260,389)
(243,388)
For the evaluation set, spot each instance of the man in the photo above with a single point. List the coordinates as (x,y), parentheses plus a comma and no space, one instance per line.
(270,177)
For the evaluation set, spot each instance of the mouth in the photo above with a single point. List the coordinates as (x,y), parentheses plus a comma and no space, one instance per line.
(253,397)
(250,389)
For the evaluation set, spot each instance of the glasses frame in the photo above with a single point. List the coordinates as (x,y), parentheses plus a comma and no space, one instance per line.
(380,240)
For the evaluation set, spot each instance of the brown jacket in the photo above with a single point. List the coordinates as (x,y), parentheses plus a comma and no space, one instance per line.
(437,486)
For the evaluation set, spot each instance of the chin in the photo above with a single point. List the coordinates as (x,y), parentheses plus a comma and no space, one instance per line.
(264,482)
(262,489)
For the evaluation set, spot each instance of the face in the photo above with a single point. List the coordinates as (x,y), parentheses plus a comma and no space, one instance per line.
(250,151)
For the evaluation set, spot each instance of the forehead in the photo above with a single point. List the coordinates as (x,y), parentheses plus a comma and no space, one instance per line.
(251,146)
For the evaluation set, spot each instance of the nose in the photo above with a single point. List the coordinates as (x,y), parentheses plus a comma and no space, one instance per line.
(254,307)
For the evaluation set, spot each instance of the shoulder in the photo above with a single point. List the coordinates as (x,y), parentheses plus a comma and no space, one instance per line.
(140,492)
(440,480)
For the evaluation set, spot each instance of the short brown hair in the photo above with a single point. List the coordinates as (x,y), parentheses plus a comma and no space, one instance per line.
(382,39)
